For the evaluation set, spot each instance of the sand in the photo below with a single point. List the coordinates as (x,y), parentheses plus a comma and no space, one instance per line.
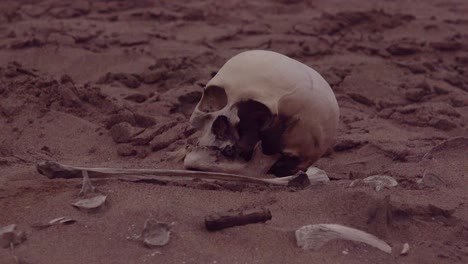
(113,83)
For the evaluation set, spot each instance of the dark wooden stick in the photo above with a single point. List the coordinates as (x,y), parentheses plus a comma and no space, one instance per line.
(238,217)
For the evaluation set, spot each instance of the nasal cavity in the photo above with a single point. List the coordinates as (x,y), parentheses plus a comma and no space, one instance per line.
(221,128)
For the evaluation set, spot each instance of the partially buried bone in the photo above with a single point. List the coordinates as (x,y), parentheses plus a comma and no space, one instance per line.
(313,237)
(317,175)
(56,170)
(381,181)
(86,187)
(56,221)
(378,181)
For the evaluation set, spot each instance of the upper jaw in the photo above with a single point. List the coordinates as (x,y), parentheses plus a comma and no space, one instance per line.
(212,159)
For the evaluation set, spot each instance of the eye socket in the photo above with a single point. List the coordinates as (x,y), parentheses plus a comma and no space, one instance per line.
(214,99)
(253,115)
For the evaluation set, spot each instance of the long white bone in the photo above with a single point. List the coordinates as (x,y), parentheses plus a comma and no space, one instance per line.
(54,170)
(313,237)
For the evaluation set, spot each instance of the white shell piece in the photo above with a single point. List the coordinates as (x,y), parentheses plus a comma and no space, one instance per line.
(380,181)
(405,250)
(317,175)
(91,203)
(155,233)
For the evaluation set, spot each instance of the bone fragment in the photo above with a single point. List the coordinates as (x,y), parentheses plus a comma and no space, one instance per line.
(93,199)
(91,203)
(54,170)
(9,237)
(317,176)
(381,181)
(155,233)
(405,249)
(378,181)
(236,217)
(56,221)
(86,186)
(400,249)
(313,237)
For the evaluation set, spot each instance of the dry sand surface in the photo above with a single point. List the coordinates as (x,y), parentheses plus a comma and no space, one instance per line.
(72,72)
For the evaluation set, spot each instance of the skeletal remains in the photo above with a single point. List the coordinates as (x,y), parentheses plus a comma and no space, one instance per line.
(262,113)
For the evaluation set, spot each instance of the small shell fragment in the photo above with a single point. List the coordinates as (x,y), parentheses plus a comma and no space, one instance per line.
(155,233)
(378,181)
(91,203)
(62,220)
(9,236)
(432,180)
(313,237)
(317,176)
(405,249)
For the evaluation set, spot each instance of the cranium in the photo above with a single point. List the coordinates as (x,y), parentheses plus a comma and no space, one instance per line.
(263,113)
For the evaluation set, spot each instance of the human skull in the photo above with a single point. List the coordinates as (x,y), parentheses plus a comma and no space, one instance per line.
(263,113)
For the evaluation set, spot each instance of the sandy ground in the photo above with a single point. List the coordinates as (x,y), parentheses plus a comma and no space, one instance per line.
(72,70)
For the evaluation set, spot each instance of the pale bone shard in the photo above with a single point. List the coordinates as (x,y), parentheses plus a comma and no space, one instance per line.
(177,155)
(56,221)
(56,170)
(381,181)
(263,97)
(155,233)
(317,175)
(91,203)
(62,220)
(10,237)
(313,237)
(378,181)
(405,250)
(94,199)
(86,187)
